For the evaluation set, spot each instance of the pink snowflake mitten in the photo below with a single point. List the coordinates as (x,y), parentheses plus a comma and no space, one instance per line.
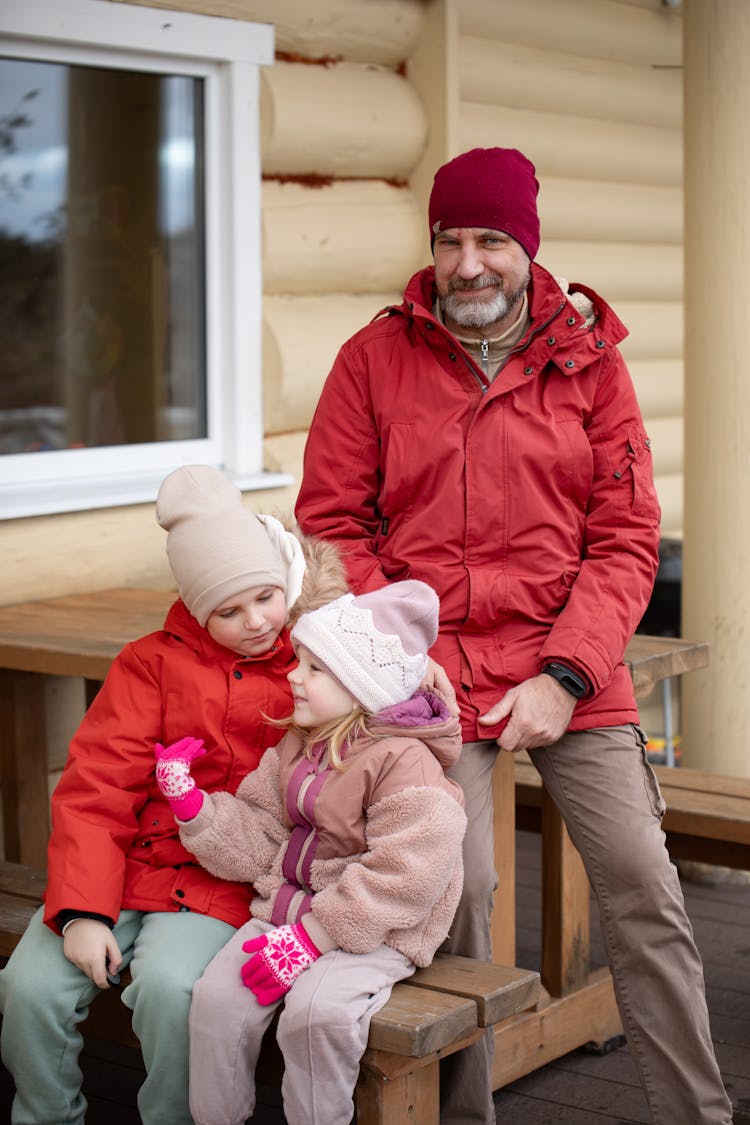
(174,778)
(279,958)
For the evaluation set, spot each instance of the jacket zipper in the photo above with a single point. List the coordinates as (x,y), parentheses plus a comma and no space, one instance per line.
(485,351)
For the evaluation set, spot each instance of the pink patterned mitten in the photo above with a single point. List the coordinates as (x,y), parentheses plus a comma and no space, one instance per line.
(281,956)
(174,778)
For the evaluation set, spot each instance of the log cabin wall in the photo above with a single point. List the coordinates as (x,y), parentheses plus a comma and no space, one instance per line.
(365,100)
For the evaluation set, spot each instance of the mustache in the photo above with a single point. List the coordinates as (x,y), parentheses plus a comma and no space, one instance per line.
(483,282)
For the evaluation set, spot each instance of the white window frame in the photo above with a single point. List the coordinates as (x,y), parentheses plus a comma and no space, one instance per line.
(227,54)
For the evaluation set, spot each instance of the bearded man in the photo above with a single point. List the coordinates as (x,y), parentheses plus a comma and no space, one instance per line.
(484,437)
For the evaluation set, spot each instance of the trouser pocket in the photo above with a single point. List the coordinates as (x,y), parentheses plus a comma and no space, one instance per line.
(650,780)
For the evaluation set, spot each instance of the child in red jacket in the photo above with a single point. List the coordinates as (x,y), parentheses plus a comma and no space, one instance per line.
(122,888)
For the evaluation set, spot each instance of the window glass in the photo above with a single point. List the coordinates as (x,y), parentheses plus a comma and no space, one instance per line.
(130,287)
(102,255)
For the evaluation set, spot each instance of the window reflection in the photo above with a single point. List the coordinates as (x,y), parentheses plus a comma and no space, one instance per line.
(102,302)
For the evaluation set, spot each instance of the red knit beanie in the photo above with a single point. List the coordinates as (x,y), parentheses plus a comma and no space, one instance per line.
(494,188)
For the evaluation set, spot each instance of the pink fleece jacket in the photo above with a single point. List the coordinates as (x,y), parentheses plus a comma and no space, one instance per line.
(367,855)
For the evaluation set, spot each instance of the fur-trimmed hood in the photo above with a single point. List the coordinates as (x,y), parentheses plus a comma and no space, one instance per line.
(325,576)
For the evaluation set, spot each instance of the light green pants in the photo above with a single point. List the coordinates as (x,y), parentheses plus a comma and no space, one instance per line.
(43,998)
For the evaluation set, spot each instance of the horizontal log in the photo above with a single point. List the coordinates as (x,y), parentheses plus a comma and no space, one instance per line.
(669,489)
(656,329)
(282,453)
(667,444)
(503,73)
(301,336)
(340,120)
(606,211)
(576,147)
(362,236)
(359,30)
(605,30)
(619,271)
(660,386)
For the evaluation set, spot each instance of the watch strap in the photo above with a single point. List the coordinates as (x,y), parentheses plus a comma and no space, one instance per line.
(567,677)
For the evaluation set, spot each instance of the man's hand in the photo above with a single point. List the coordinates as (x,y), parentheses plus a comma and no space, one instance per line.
(538,712)
(435,679)
(91,946)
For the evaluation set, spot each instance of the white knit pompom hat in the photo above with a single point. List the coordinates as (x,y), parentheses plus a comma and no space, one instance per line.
(375,644)
(217,547)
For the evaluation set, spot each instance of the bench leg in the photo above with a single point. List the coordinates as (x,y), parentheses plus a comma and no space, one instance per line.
(404,1099)
(565,896)
(23,762)
(503,922)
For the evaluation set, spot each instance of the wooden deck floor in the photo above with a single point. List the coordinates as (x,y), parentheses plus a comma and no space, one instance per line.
(580,1089)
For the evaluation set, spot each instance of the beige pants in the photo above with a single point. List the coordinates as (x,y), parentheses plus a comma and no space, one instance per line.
(606,791)
(322,1032)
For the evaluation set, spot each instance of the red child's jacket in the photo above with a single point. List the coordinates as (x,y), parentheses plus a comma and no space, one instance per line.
(115,843)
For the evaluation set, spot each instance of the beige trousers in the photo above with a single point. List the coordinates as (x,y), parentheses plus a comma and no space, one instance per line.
(607,793)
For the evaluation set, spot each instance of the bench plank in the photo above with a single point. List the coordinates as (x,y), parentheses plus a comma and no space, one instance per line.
(27,882)
(497,990)
(418,1022)
(707,817)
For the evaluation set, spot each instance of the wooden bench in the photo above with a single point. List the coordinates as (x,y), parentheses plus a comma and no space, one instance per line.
(707,817)
(439,1010)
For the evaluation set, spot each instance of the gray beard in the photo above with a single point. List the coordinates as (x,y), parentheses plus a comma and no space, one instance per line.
(479,313)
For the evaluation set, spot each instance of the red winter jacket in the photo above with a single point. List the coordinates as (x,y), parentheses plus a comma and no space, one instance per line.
(115,844)
(528,503)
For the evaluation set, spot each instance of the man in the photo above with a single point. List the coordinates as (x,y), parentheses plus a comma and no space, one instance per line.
(484,436)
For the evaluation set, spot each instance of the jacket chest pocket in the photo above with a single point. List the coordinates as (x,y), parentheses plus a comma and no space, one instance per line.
(397,489)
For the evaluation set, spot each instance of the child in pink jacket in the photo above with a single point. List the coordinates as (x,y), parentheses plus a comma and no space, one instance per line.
(351,834)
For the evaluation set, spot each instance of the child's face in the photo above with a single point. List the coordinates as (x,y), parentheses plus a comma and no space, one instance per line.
(249,622)
(318,696)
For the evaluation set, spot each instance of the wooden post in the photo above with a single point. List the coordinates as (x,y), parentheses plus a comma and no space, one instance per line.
(716,594)
(565,890)
(504,910)
(23,767)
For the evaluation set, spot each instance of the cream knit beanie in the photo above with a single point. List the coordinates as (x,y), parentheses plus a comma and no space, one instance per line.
(217,547)
(375,644)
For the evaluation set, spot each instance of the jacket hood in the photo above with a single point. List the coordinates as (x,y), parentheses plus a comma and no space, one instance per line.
(426,717)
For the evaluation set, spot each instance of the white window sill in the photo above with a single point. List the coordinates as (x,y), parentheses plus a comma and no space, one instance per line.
(52,497)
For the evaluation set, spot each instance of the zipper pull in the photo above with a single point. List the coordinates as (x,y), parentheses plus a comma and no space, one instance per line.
(484,348)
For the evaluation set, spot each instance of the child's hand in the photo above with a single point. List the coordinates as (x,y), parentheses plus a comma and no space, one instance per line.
(185,749)
(436,679)
(92,947)
(280,956)
(174,778)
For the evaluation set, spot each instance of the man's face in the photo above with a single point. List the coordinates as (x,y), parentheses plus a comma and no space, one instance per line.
(481,276)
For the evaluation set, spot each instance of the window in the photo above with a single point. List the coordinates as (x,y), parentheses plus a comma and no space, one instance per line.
(129,251)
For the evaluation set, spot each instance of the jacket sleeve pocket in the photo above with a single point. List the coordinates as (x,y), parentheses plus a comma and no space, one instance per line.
(637,469)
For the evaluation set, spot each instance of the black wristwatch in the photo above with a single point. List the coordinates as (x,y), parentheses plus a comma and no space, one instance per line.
(569,679)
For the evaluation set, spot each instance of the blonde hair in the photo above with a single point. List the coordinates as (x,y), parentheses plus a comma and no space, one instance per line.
(336,734)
